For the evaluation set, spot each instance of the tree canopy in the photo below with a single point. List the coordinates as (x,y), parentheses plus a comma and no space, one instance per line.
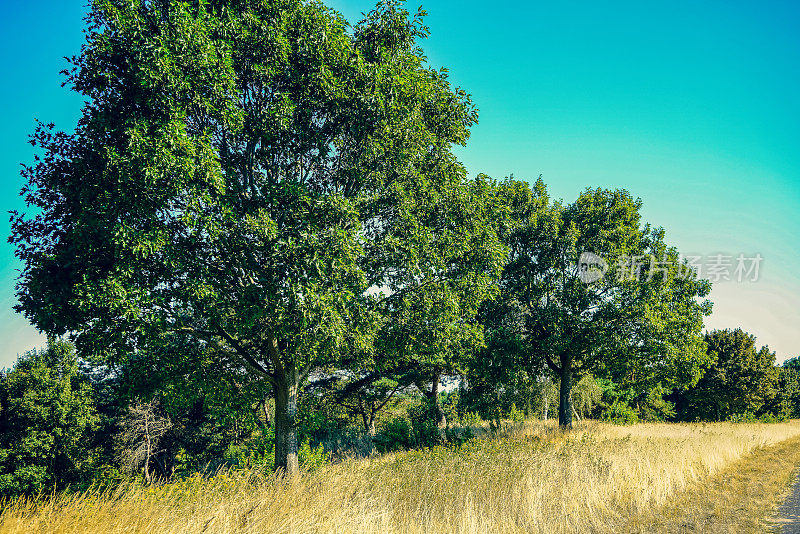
(250,173)
(615,318)
(258,232)
(740,379)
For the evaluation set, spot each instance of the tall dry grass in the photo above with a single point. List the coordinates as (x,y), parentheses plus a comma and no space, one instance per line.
(534,479)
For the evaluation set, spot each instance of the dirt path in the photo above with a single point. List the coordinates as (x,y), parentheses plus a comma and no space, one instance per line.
(789,511)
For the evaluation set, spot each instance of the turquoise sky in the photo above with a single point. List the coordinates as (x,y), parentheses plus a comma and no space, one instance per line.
(692,106)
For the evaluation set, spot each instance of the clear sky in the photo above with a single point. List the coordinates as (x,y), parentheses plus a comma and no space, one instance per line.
(692,106)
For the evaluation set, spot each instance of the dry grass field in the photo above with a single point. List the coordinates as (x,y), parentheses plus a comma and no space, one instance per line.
(596,478)
(740,499)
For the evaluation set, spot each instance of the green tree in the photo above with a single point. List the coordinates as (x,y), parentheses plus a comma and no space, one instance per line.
(786,402)
(427,334)
(616,320)
(47,416)
(254,175)
(740,378)
(586,394)
(364,397)
(792,363)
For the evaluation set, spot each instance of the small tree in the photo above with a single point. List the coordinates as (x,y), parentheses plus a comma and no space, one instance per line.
(586,394)
(141,429)
(787,398)
(47,417)
(366,397)
(741,378)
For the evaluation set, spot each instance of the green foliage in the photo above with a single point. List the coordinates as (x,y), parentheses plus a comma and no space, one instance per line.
(312,458)
(211,403)
(260,210)
(516,415)
(750,417)
(787,399)
(586,394)
(104,477)
(257,451)
(424,427)
(619,413)
(625,326)
(458,435)
(740,379)
(264,178)
(470,419)
(419,430)
(771,418)
(792,363)
(394,435)
(654,407)
(745,417)
(47,417)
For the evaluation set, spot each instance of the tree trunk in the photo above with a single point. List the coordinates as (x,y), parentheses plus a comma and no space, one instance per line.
(565,399)
(368,416)
(432,395)
(440,421)
(286,422)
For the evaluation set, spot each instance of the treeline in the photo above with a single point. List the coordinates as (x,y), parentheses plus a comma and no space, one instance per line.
(258,232)
(65,423)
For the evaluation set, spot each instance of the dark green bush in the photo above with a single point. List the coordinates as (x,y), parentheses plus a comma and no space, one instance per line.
(424,424)
(620,413)
(744,417)
(394,435)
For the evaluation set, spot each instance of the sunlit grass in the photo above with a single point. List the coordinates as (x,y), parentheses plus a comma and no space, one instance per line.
(532,479)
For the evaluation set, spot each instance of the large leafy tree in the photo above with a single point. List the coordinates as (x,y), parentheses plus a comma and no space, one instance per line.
(248,173)
(614,320)
(47,418)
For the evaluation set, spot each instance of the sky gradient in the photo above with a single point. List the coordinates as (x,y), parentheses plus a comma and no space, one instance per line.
(690,106)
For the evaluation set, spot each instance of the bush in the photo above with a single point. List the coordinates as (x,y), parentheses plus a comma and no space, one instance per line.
(394,435)
(458,436)
(768,418)
(258,451)
(471,419)
(750,417)
(518,416)
(744,417)
(424,427)
(418,430)
(347,442)
(654,407)
(312,458)
(619,413)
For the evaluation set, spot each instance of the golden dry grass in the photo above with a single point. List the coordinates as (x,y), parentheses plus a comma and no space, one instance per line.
(597,478)
(743,498)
